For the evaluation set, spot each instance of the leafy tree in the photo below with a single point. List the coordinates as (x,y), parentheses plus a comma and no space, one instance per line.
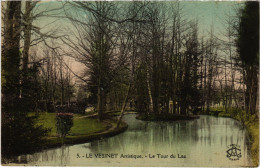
(248,48)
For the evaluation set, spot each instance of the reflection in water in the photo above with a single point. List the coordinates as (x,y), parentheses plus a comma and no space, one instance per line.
(203,141)
(59,157)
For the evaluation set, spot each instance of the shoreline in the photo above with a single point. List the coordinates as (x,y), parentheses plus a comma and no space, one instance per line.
(253,136)
(54,142)
(168,117)
(251,127)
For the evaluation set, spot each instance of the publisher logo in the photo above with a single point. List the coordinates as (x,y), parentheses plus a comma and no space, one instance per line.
(234,152)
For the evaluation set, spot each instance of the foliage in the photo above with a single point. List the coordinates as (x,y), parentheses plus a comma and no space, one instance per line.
(253,130)
(20,135)
(64,122)
(248,37)
(165,117)
(251,123)
(99,57)
(248,49)
(141,94)
(31,89)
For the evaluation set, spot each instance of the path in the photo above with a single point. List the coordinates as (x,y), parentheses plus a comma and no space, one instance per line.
(96,114)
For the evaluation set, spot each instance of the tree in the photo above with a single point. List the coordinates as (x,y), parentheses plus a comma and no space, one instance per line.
(189,95)
(211,70)
(248,49)
(16,125)
(11,52)
(95,42)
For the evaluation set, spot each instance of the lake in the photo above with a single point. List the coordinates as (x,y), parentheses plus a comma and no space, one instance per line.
(201,142)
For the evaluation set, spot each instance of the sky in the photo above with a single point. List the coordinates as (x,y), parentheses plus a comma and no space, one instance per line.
(208,13)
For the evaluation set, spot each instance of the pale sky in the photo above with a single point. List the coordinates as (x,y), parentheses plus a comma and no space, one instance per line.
(208,13)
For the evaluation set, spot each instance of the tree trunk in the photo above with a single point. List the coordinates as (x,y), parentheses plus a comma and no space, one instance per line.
(99,103)
(124,105)
(10,52)
(149,91)
(27,40)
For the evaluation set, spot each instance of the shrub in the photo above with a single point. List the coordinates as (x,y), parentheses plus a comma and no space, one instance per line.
(20,135)
(64,122)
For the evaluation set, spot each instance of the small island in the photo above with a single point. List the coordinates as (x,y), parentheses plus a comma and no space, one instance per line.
(167,117)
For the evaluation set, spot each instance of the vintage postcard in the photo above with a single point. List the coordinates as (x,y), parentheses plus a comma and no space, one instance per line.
(130,83)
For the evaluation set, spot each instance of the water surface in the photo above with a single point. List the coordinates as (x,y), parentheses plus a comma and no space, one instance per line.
(200,142)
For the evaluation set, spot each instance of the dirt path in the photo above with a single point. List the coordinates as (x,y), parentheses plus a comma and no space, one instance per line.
(96,114)
(112,127)
(106,121)
(88,116)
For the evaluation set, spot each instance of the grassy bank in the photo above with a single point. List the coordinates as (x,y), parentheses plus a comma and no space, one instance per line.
(80,125)
(165,117)
(84,129)
(252,125)
(253,130)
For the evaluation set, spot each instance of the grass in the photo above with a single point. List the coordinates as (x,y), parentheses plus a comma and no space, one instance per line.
(83,130)
(80,125)
(251,123)
(86,126)
(229,112)
(253,130)
(56,141)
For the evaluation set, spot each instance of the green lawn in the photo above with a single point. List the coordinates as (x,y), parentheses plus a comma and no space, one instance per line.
(86,126)
(83,130)
(80,125)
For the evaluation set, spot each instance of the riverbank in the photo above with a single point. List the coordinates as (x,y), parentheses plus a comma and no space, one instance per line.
(145,137)
(252,126)
(85,129)
(166,117)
